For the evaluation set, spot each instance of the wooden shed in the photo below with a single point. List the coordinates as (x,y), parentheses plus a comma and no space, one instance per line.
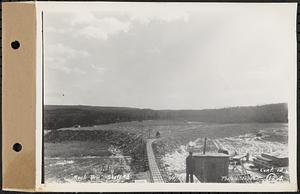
(210,167)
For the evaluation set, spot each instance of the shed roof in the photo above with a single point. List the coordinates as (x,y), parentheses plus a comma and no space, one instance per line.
(210,154)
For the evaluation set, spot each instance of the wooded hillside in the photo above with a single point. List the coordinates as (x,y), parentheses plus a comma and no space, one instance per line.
(67,116)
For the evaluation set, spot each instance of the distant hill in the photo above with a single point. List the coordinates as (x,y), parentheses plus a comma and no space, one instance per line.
(57,116)
(244,114)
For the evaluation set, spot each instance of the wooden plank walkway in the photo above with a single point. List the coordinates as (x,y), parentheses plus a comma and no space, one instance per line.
(154,170)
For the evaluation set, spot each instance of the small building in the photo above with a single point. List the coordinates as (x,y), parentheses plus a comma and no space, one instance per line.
(211,167)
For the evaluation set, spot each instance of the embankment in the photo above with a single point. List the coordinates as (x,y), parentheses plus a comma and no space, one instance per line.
(130,144)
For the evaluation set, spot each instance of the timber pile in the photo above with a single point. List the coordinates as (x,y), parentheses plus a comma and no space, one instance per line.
(270,161)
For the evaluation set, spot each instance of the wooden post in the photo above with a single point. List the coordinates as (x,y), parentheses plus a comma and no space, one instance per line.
(204,147)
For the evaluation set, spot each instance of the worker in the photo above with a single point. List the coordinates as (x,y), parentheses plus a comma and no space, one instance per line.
(157,134)
(190,168)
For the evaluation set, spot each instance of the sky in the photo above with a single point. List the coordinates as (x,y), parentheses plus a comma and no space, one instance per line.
(169,56)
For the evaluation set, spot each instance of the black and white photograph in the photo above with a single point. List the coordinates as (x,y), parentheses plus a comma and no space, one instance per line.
(168,93)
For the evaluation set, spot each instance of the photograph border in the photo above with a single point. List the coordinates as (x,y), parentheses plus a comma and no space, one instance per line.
(183,186)
(255,1)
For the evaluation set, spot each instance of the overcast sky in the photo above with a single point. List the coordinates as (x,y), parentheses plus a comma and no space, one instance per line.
(190,56)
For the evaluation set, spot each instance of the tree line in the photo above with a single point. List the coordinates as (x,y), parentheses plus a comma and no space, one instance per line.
(56,116)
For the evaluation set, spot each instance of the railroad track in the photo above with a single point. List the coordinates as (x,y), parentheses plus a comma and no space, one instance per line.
(154,170)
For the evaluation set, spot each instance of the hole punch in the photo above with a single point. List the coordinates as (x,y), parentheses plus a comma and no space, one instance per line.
(17,147)
(15,44)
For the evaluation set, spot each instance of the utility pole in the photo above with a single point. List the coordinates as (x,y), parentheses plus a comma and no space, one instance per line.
(149,131)
(204,147)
